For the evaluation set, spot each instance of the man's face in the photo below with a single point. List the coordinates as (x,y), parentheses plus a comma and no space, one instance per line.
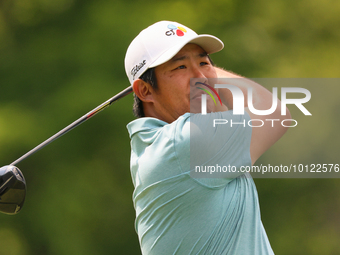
(172,98)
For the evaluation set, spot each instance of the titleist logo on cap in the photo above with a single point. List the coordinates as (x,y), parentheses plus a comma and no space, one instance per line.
(136,68)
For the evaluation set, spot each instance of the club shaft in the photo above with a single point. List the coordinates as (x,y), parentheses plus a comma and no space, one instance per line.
(76,123)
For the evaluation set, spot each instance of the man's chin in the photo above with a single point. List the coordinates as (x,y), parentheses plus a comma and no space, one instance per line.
(196,110)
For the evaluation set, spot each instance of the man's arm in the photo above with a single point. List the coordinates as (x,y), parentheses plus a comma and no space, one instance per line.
(262,137)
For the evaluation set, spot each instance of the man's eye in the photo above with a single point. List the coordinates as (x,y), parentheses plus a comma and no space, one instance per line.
(203,63)
(180,67)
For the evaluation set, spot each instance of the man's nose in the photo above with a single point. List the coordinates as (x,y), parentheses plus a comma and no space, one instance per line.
(197,76)
(198,73)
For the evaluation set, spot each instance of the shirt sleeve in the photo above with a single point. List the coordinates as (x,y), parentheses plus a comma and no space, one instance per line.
(219,147)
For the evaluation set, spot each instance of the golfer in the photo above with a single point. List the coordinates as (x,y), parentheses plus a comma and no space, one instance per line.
(176,212)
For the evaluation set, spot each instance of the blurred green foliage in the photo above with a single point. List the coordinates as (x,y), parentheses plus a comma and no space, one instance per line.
(60,59)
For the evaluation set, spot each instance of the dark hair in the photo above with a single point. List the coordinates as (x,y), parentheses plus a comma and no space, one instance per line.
(148,76)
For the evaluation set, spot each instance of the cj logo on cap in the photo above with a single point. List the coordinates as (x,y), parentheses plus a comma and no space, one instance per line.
(174,30)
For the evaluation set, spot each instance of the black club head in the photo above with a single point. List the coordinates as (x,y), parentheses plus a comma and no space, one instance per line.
(12,189)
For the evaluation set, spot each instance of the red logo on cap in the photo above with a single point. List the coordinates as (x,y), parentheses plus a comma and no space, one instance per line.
(179,31)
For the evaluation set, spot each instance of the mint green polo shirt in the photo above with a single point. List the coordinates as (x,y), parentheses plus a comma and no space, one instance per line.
(181,213)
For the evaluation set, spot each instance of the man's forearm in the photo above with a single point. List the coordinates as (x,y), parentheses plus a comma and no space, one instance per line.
(262,98)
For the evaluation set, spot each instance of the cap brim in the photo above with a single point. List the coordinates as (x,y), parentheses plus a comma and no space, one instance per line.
(209,43)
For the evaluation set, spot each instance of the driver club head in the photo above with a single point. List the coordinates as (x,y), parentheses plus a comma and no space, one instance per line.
(12,189)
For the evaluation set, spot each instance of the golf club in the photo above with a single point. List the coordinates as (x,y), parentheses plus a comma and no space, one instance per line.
(12,190)
(12,181)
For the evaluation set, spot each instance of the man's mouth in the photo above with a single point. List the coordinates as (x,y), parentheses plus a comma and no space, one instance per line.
(197,95)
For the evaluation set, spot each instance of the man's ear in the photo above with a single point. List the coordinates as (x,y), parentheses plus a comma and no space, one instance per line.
(143,90)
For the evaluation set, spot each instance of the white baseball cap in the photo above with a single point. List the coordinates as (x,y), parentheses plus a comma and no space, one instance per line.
(160,42)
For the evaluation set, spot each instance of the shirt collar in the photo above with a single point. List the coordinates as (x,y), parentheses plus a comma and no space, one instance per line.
(144,124)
